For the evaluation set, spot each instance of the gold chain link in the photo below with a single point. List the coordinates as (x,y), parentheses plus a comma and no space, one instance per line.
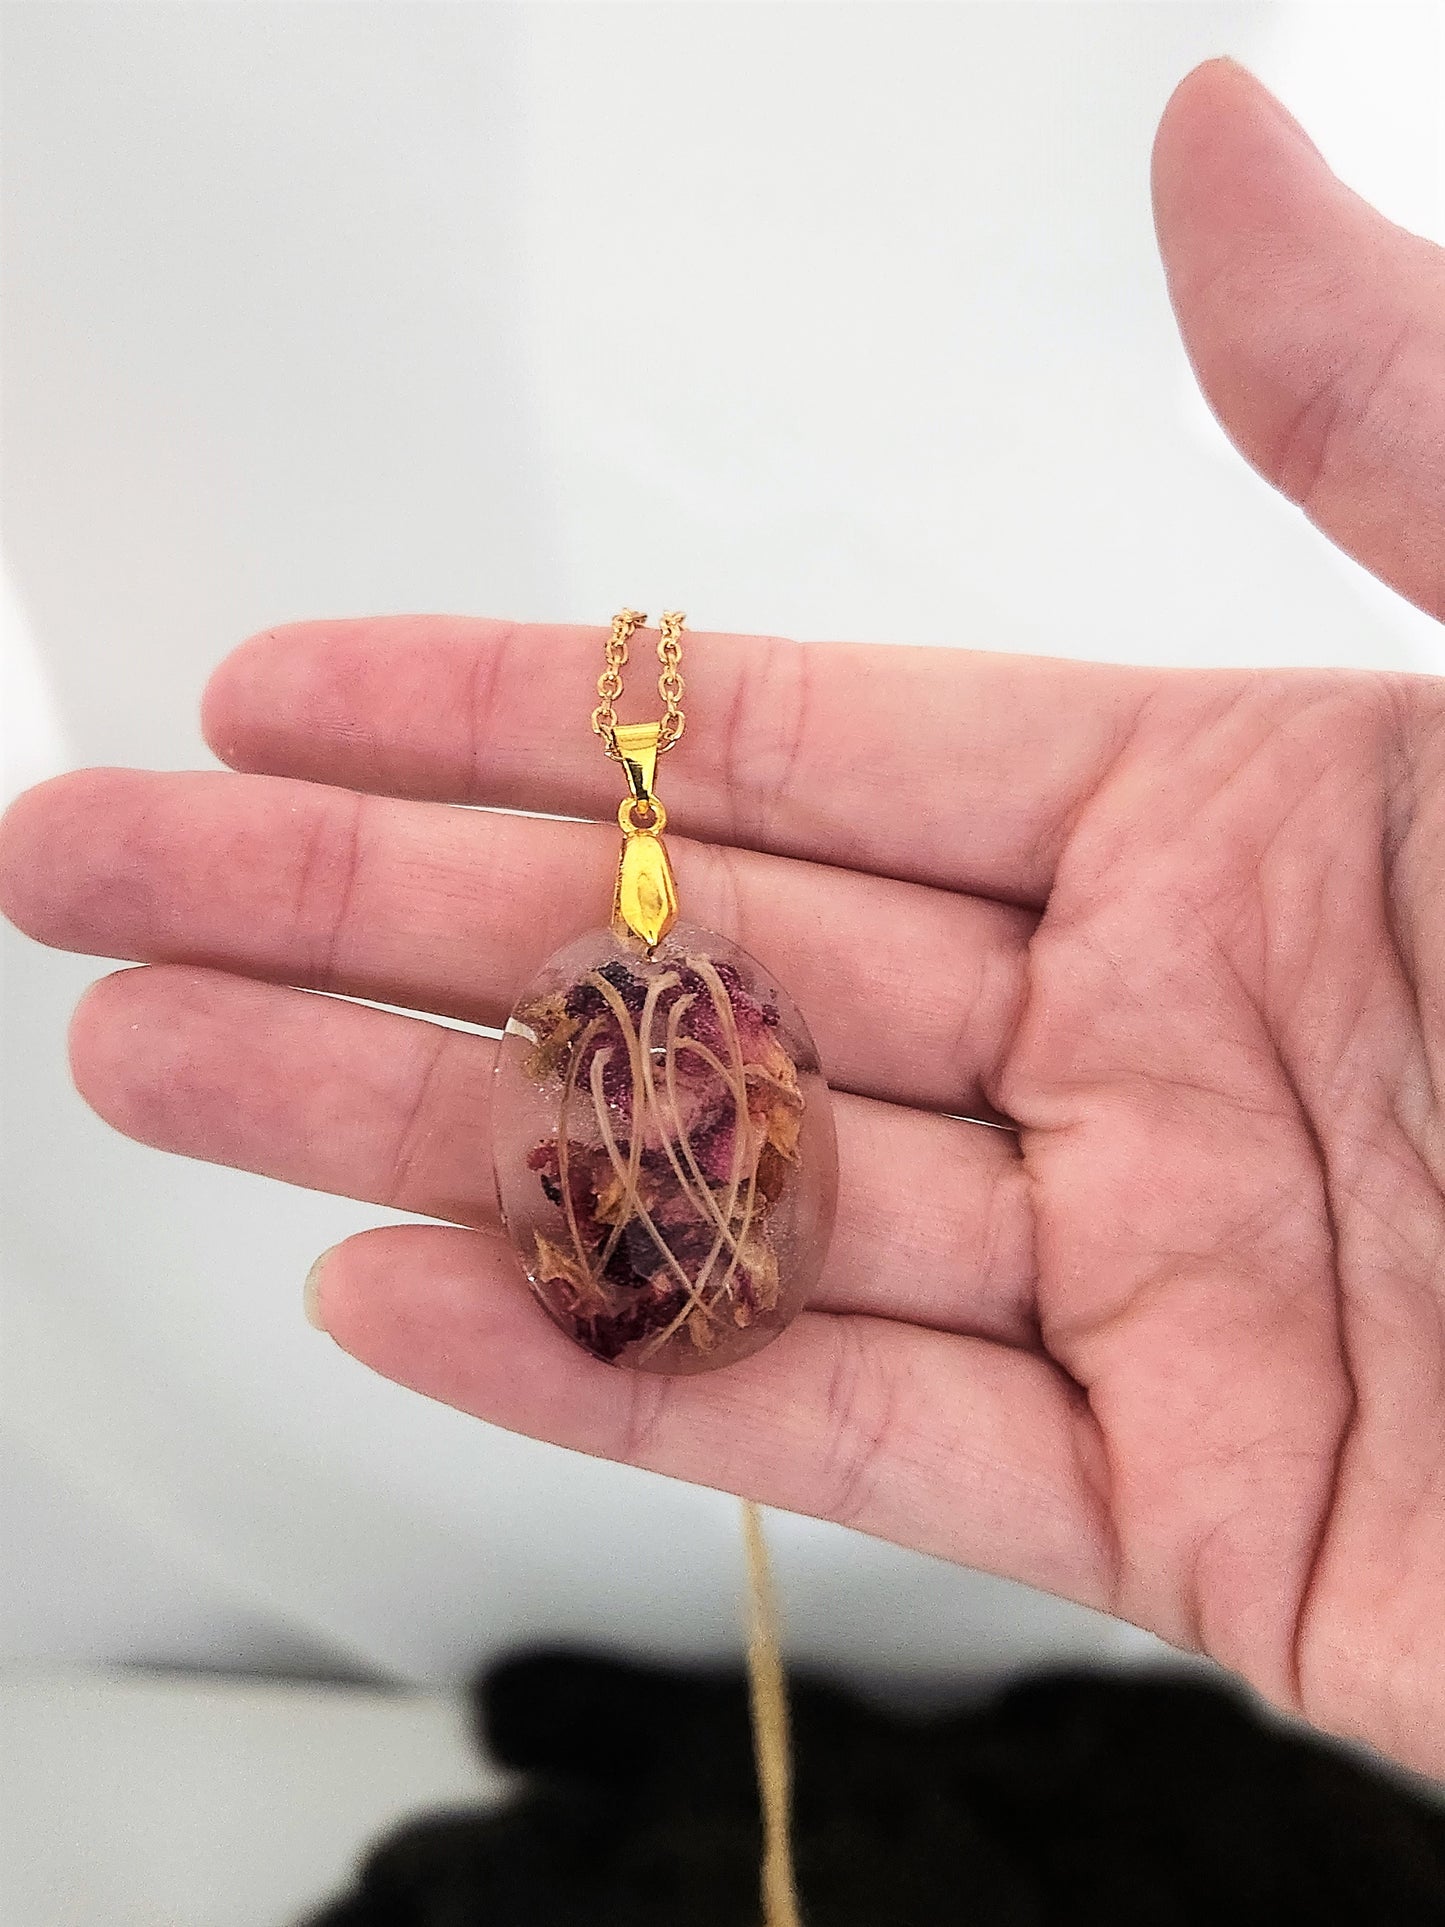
(669,683)
(625,625)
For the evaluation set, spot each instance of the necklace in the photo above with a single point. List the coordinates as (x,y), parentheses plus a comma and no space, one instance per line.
(665,1159)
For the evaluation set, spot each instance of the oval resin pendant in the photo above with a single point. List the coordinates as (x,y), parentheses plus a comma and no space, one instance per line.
(665,1158)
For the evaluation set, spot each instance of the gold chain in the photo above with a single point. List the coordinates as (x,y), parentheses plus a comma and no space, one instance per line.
(625,624)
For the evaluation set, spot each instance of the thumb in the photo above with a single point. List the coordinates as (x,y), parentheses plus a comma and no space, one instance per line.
(1316,327)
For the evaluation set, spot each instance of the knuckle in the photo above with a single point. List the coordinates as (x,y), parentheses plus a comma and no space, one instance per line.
(642,1415)
(413,1148)
(765,732)
(1354,400)
(860,1419)
(327,876)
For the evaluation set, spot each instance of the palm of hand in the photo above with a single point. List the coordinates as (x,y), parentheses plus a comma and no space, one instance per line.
(1235,1161)
(1175,1350)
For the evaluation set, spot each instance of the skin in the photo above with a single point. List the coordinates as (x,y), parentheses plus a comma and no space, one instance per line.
(1175,1346)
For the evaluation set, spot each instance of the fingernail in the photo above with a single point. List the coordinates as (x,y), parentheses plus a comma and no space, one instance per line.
(311,1292)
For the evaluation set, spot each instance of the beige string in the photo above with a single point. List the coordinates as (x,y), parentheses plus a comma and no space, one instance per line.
(768,1694)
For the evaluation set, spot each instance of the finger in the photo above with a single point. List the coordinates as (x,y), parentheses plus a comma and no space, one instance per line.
(939,766)
(911,992)
(933,1219)
(1316,328)
(971,1451)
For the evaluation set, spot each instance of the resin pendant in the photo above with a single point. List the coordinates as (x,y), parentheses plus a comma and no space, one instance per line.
(664,1149)
(662,1131)
(663,1135)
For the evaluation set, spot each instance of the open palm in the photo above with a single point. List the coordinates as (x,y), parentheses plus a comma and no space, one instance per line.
(1175,1344)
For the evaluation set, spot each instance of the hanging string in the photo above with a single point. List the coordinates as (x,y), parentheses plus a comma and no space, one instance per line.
(768,1695)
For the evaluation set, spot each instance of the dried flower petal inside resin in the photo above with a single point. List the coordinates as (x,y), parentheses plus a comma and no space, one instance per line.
(665,1156)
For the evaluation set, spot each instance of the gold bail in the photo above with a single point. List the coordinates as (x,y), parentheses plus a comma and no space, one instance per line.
(636,746)
(645,899)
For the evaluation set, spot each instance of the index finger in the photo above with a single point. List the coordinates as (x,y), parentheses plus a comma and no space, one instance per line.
(950,767)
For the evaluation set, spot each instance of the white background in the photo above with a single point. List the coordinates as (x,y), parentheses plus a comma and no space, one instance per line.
(844,321)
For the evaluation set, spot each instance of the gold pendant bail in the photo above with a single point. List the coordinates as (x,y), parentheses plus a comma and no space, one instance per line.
(636,746)
(645,899)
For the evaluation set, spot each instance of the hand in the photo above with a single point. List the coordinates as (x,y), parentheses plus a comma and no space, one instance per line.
(1177,1348)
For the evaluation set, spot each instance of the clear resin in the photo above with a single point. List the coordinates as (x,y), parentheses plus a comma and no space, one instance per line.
(665,1158)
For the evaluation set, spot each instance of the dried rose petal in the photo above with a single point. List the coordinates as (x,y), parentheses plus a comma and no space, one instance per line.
(680,1095)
